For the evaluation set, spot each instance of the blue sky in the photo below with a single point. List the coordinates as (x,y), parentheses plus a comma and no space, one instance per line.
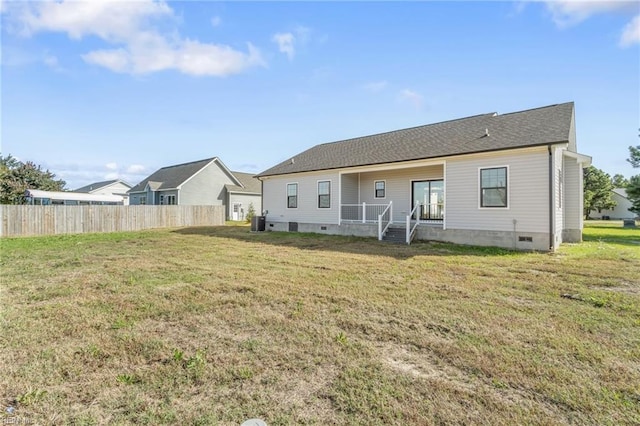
(101,90)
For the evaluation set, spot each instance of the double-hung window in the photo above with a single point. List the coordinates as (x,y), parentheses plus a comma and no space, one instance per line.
(379,189)
(324,194)
(493,187)
(171,199)
(292,195)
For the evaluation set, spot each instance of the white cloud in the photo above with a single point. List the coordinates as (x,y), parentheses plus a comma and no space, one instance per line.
(566,13)
(631,33)
(414,98)
(136,46)
(216,21)
(375,86)
(570,12)
(135,168)
(285,43)
(112,176)
(111,166)
(289,41)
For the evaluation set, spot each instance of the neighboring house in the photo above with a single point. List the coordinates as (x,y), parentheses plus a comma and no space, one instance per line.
(620,211)
(203,182)
(108,187)
(511,180)
(70,198)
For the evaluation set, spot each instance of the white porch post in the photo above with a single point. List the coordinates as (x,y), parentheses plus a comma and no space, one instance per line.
(391,211)
(408,235)
(364,212)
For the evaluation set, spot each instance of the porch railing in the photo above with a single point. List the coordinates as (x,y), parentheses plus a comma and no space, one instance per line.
(434,211)
(363,213)
(384,220)
(411,231)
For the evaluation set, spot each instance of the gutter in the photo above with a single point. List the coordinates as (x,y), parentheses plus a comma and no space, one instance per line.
(551,210)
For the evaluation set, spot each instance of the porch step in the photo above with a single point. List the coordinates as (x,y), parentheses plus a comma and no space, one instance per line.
(395,235)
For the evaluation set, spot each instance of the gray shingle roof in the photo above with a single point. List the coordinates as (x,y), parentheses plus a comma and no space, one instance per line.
(540,126)
(249,182)
(97,185)
(171,177)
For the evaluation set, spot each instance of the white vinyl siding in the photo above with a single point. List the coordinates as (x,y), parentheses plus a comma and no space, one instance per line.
(244,200)
(528,192)
(349,186)
(397,187)
(573,195)
(274,192)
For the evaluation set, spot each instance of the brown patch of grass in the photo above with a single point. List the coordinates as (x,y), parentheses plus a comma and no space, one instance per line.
(218,325)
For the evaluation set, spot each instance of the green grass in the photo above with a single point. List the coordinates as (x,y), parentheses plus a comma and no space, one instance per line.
(219,325)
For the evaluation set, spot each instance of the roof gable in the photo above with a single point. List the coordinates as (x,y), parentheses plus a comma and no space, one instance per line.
(480,133)
(98,185)
(171,177)
(250,183)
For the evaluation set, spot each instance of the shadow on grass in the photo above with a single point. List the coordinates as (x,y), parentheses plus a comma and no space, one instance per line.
(345,244)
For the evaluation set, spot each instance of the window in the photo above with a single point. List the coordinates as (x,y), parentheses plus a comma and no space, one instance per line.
(324,194)
(292,195)
(379,188)
(171,199)
(493,187)
(161,199)
(143,199)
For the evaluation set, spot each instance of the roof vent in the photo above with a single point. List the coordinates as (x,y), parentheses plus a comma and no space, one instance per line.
(486,132)
(293,161)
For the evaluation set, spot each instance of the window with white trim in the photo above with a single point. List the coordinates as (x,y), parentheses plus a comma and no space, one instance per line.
(380,190)
(171,199)
(324,194)
(143,199)
(292,195)
(493,187)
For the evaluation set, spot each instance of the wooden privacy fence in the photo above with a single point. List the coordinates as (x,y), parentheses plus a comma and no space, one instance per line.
(25,221)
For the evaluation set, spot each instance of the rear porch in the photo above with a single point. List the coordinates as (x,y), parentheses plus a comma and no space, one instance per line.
(405,198)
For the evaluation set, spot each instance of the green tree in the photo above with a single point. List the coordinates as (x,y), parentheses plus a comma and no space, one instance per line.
(251,212)
(633,188)
(16,177)
(634,156)
(597,190)
(619,181)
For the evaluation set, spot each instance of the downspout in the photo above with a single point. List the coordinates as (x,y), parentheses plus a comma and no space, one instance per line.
(551,215)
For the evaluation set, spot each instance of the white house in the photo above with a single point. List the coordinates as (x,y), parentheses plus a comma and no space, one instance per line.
(512,180)
(620,211)
(116,187)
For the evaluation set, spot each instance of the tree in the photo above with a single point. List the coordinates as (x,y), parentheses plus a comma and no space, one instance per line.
(251,212)
(16,177)
(634,156)
(633,188)
(597,190)
(619,181)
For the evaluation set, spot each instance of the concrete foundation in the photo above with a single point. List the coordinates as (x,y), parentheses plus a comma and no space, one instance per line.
(572,235)
(527,241)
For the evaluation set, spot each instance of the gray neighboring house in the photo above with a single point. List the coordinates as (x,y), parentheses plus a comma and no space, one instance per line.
(107,187)
(204,182)
(511,180)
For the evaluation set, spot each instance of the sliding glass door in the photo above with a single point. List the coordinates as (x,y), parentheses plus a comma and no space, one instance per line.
(430,195)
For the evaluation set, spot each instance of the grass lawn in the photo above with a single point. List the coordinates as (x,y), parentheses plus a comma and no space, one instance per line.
(220,325)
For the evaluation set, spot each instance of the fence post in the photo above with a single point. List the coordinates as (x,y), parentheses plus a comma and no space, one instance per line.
(364,212)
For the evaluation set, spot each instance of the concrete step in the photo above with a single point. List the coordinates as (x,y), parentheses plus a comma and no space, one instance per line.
(395,235)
